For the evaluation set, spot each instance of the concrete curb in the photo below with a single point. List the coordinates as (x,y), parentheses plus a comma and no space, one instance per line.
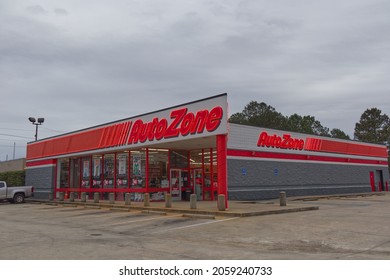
(333,196)
(165,211)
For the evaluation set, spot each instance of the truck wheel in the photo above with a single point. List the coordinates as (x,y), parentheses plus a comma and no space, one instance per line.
(19,198)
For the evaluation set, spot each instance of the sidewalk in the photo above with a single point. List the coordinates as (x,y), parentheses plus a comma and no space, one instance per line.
(204,208)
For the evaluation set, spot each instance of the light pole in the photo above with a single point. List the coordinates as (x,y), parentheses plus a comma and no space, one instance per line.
(36,123)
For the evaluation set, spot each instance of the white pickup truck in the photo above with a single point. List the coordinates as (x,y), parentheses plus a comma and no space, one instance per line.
(15,194)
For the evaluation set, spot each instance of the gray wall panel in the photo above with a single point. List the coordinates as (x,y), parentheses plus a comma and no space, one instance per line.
(254,179)
(42,179)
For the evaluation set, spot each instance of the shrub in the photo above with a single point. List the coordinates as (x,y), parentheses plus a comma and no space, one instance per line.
(13,178)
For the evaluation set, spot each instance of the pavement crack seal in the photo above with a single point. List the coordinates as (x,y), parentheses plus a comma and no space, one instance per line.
(364,251)
(143,220)
(200,224)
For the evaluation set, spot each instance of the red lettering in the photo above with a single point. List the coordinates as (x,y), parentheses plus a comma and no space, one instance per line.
(161,128)
(182,124)
(143,132)
(301,144)
(186,124)
(152,129)
(261,142)
(134,135)
(286,141)
(199,123)
(177,116)
(214,119)
(276,141)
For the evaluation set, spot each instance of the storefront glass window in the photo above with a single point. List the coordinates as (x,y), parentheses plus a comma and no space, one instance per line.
(86,172)
(196,159)
(137,173)
(179,159)
(158,159)
(207,168)
(122,173)
(75,178)
(109,171)
(97,171)
(122,169)
(158,177)
(138,170)
(64,173)
(210,173)
(197,173)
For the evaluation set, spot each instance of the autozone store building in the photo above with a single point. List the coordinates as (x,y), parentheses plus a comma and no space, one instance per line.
(190,148)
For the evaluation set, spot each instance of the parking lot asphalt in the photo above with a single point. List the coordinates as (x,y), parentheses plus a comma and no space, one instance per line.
(352,227)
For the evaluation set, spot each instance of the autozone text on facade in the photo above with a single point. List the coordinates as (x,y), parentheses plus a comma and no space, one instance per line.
(284,142)
(181,123)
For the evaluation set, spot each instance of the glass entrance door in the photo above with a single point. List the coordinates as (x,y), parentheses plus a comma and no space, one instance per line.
(176,184)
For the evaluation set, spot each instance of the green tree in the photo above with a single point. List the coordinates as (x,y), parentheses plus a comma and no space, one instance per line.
(338,133)
(263,115)
(373,127)
(259,114)
(306,124)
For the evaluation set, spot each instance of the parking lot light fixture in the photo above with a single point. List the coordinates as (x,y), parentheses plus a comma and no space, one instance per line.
(36,123)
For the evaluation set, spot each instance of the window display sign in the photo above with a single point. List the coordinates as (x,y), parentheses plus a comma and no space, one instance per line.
(96,167)
(86,169)
(137,166)
(122,166)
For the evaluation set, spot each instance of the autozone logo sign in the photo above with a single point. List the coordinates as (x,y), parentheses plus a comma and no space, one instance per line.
(280,142)
(180,123)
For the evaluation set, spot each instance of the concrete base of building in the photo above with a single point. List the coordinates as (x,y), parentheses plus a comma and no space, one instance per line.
(273,192)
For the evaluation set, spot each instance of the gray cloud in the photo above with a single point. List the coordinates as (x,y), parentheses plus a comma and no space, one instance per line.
(61,12)
(102,62)
(36,10)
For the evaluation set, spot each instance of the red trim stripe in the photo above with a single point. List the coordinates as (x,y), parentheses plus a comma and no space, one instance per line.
(41,162)
(99,138)
(334,146)
(285,156)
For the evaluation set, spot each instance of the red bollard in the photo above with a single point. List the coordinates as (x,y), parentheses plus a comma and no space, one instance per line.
(387,186)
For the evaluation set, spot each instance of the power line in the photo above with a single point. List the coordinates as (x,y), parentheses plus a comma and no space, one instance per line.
(8,146)
(19,129)
(12,140)
(29,130)
(53,130)
(12,135)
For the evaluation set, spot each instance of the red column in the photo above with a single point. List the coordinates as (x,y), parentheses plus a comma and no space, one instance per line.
(147,171)
(212,174)
(222,166)
(115,171)
(372,181)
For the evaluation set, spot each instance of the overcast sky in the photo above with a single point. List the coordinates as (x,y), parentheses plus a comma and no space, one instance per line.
(82,63)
